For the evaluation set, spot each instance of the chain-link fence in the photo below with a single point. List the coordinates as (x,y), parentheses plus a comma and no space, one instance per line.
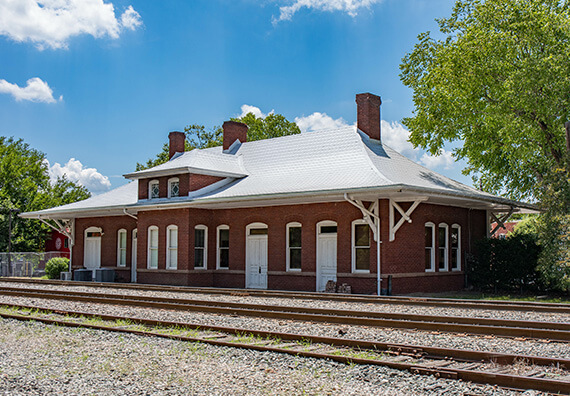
(26,264)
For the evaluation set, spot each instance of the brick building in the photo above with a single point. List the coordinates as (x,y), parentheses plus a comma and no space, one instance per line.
(285,213)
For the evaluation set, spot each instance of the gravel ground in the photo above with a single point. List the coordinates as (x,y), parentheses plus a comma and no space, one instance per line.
(377,307)
(400,336)
(37,359)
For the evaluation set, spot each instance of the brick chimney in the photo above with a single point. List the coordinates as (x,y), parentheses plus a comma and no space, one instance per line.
(233,131)
(176,141)
(368,114)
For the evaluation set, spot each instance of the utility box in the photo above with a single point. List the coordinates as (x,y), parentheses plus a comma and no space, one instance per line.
(83,275)
(65,275)
(104,275)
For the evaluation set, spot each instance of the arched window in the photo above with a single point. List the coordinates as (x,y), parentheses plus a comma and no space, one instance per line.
(153,189)
(173,187)
(200,247)
(430,247)
(121,248)
(360,246)
(171,247)
(442,244)
(152,256)
(223,251)
(456,247)
(294,232)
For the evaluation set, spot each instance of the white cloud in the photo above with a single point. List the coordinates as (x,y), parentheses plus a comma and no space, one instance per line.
(51,23)
(87,177)
(444,159)
(318,121)
(396,136)
(246,109)
(350,7)
(36,90)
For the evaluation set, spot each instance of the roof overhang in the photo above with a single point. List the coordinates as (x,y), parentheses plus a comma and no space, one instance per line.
(181,170)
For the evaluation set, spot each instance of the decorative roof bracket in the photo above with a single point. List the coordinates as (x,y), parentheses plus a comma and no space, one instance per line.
(66,227)
(405,215)
(370,214)
(501,220)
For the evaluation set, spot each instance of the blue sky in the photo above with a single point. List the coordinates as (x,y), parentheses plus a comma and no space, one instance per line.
(102,82)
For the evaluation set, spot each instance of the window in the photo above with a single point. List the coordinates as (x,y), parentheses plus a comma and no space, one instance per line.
(122,248)
(173,187)
(430,247)
(360,246)
(200,246)
(153,190)
(172,247)
(152,247)
(442,238)
(66,243)
(294,247)
(455,247)
(223,257)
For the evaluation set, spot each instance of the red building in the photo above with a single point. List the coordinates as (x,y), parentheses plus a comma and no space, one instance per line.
(57,242)
(286,213)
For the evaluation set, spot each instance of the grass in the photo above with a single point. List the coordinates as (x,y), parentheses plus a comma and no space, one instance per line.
(471,295)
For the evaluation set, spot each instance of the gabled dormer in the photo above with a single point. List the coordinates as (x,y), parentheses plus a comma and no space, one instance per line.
(191,173)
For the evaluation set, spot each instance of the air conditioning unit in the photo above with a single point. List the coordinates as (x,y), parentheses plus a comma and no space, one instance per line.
(65,276)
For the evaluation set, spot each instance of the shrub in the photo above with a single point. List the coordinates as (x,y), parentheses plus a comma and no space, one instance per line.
(55,266)
(505,264)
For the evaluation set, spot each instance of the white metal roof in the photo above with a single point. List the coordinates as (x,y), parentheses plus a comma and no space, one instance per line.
(295,169)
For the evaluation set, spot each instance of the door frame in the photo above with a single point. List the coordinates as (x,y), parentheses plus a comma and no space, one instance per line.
(247,239)
(320,224)
(86,238)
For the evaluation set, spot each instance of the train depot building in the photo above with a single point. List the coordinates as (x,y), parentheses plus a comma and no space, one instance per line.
(288,213)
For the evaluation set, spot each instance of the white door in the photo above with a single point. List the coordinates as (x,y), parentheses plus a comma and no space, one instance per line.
(256,259)
(92,255)
(326,255)
(134,258)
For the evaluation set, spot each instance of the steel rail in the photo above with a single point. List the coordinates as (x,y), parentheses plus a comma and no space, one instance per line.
(564,326)
(492,378)
(430,323)
(359,298)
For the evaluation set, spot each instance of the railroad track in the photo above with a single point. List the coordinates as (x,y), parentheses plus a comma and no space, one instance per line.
(540,373)
(419,301)
(453,324)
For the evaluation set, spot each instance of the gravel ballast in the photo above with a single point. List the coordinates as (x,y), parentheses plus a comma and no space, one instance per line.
(37,359)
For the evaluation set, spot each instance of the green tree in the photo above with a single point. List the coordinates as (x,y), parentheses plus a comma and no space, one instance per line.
(497,81)
(25,185)
(197,136)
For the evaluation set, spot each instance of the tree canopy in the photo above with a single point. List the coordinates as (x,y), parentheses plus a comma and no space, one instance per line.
(497,81)
(25,185)
(197,136)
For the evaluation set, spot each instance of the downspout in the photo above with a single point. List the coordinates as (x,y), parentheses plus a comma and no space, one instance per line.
(128,214)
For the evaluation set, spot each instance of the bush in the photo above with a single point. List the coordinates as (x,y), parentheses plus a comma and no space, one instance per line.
(505,264)
(55,266)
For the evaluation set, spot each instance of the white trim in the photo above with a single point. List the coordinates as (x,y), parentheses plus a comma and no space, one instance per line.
(119,248)
(445,248)
(321,224)
(432,247)
(458,228)
(205,248)
(218,248)
(150,184)
(170,181)
(171,250)
(134,251)
(261,276)
(92,229)
(353,245)
(287,247)
(150,248)
(405,215)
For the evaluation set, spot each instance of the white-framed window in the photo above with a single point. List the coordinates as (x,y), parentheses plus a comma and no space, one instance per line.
(360,246)
(442,245)
(134,249)
(121,248)
(456,247)
(430,247)
(171,247)
(200,247)
(223,250)
(294,244)
(152,256)
(153,189)
(173,187)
